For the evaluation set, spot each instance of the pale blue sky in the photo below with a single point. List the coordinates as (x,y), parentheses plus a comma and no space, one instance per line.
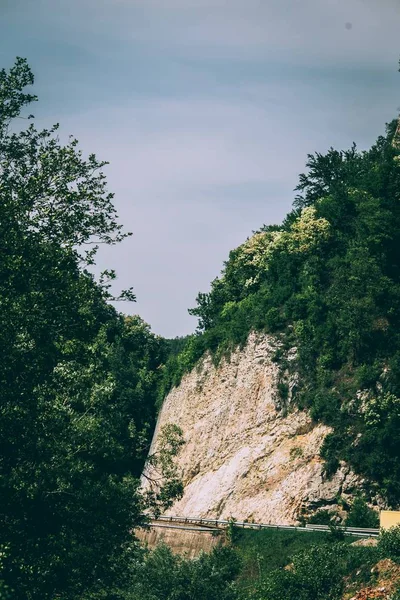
(206,110)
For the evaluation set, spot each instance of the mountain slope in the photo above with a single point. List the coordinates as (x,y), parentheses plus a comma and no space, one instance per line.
(326,281)
(248,454)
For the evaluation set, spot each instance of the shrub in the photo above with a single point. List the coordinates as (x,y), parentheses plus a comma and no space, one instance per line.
(321,517)
(316,574)
(389,543)
(361,515)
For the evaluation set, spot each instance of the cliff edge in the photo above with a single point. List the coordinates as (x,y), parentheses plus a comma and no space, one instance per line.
(244,456)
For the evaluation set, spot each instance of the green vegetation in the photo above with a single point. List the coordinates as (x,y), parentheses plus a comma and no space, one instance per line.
(389,543)
(327,281)
(160,575)
(78,380)
(269,549)
(266,565)
(317,573)
(361,515)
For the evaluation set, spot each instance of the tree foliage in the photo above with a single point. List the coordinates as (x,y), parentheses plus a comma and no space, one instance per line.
(161,575)
(78,381)
(328,282)
(361,515)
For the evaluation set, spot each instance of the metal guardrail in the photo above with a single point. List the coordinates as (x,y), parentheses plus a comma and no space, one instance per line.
(186,527)
(365,530)
(217,523)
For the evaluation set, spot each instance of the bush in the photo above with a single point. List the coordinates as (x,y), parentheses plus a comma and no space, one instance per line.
(396,595)
(319,573)
(361,515)
(321,517)
(389,543)
(316,574)
(161,575)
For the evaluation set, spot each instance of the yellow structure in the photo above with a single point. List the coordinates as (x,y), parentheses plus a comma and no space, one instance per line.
(389,518)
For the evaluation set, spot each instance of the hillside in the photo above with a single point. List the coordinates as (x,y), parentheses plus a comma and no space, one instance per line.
(325,283)
(287,396)
(248,453)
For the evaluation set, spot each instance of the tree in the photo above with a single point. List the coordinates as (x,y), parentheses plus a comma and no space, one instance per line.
(328,283)
(161,575)
(315,574)
(361,515)
(389,543)
(71,429)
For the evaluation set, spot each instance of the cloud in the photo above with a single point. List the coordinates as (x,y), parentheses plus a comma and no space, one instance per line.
(300,32)
(305,32)
(206,110)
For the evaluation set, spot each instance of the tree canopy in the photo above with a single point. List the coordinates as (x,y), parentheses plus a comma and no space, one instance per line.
(78,381)
(327,281)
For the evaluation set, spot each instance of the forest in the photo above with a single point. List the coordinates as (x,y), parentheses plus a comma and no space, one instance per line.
(81,383)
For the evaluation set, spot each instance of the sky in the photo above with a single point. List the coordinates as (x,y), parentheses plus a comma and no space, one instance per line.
(206,111)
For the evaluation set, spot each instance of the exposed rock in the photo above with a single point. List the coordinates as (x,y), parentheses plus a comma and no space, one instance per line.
(366,542)
(388,578)
(243,456)
(189,543)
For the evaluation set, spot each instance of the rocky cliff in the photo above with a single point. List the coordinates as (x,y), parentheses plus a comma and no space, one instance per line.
(245,455)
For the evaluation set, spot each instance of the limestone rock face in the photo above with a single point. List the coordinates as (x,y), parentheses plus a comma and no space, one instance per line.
(243,455)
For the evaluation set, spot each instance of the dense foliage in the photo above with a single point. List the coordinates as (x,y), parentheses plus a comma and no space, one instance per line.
(389,543)
(327,281)
(78,381)
(161,575)
(327,570)
(266,565)
(316,574)
(265,550)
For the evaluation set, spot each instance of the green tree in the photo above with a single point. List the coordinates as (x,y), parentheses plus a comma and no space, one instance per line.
(361,515)
(389,543)
(328,283)
(161,575)
(316,574)
(71,429)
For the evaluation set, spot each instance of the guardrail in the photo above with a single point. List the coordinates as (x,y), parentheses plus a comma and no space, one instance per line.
(220,523)
(365,530)
(185,527)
